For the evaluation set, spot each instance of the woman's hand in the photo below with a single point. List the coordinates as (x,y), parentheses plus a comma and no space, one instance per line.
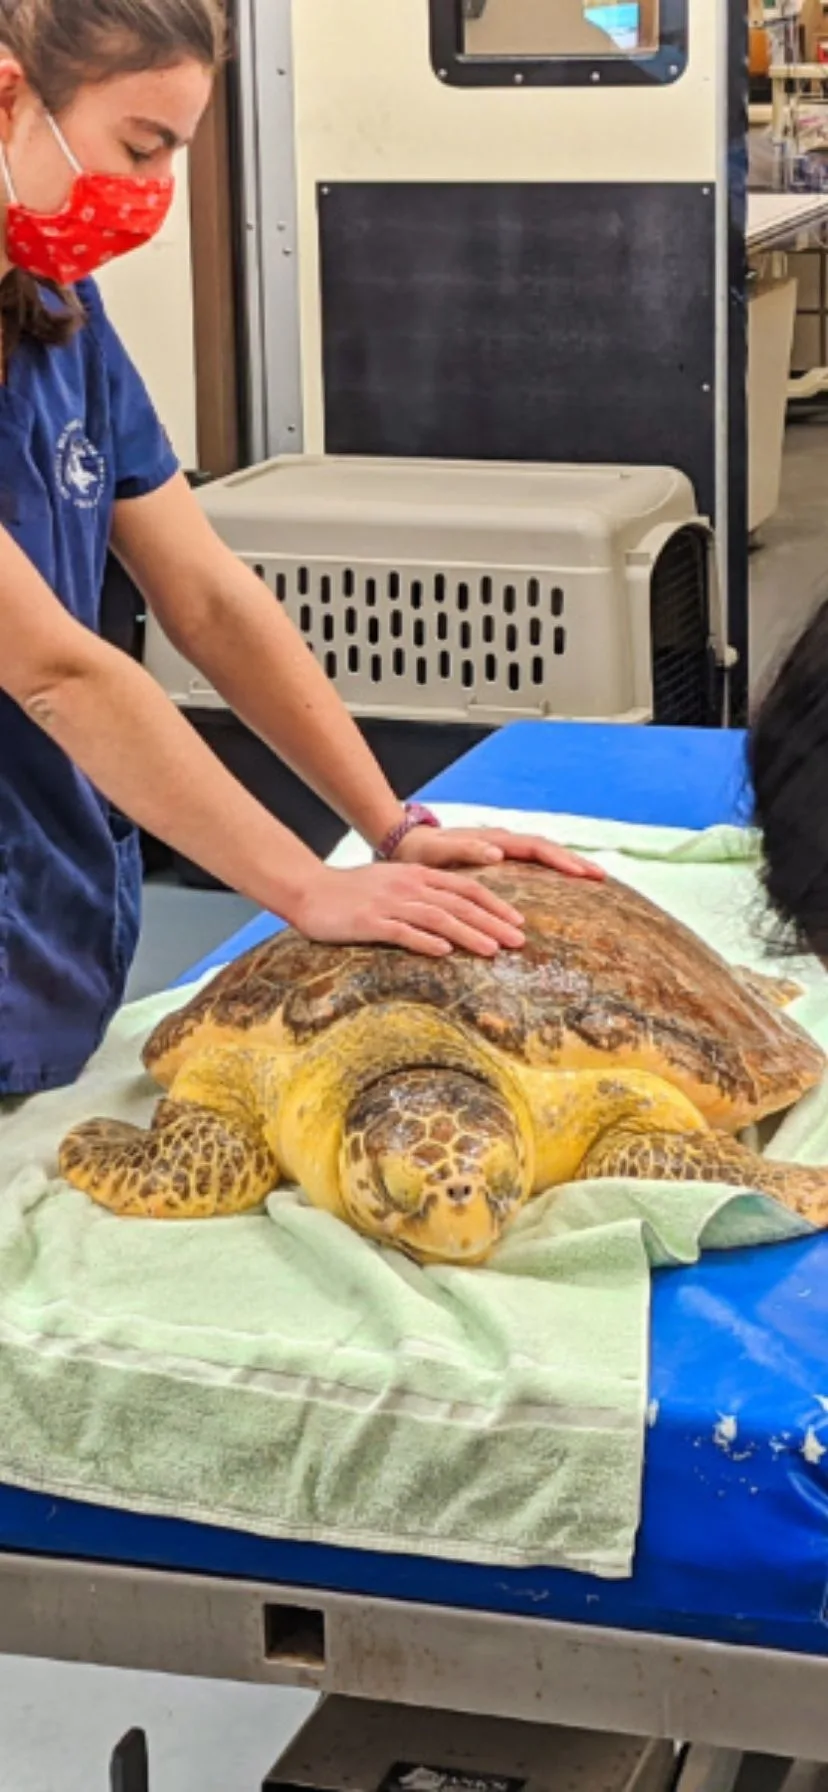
(441,847)
(413,906)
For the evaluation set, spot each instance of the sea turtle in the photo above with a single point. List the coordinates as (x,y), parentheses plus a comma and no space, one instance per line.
(426,1100)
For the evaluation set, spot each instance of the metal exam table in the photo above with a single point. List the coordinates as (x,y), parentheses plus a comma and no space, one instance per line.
(721,1636)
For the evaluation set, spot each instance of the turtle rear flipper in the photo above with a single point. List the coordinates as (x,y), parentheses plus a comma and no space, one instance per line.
(778,992)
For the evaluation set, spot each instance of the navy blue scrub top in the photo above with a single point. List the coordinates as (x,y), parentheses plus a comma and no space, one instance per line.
(77,432)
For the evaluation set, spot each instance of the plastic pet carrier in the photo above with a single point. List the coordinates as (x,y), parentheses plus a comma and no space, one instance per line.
(444,599)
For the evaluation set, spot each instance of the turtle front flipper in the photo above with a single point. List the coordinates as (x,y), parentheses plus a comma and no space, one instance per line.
(707,1157)
(205,1156)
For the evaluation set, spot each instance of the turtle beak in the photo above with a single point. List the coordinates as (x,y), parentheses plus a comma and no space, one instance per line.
(459,1223)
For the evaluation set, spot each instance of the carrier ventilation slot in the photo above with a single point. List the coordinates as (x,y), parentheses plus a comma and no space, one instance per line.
(493,639)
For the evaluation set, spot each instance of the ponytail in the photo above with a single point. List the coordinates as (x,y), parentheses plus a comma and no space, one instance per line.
(25,312)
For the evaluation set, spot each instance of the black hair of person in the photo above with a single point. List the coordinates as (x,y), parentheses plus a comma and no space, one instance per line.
(788,767)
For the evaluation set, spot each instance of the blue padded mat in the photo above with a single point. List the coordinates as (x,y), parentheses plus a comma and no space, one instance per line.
(734,1540)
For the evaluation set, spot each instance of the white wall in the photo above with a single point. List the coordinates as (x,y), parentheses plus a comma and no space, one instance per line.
(369,107)
(149,296)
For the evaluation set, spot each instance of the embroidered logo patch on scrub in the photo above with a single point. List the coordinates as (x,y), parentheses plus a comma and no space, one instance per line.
(80,468)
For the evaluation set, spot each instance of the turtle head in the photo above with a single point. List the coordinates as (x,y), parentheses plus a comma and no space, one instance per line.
(434,1162)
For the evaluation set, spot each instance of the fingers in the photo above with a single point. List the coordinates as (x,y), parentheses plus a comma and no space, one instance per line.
(570,865)
(456,929)
(492,846)
(530,847)
(473,918)
(468,849)
(412,939)
(453,910)
(454,884)
(462,911)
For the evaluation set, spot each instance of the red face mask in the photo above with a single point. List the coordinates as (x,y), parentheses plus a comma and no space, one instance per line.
(105,215)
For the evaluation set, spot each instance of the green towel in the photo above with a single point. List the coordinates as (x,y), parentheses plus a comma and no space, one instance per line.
(278,1374)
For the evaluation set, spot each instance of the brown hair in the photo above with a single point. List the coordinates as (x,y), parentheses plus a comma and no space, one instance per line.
(63,44)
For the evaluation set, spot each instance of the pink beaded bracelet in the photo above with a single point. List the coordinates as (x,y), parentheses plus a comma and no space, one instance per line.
(415,815)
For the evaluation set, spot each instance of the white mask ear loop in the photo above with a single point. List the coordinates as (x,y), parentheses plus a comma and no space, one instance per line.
(6,173)
(62,143)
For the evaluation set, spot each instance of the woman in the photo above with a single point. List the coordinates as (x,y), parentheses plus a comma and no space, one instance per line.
(96,96)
